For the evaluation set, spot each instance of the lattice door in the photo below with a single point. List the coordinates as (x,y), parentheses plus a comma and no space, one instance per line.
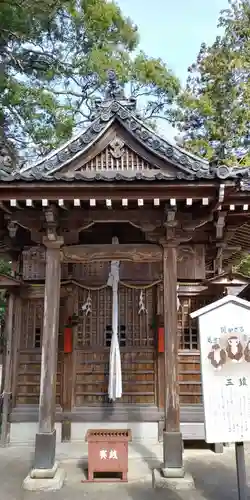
(137,345)
(29,360)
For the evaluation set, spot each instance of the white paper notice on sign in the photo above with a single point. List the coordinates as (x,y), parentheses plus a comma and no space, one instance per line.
(224,328)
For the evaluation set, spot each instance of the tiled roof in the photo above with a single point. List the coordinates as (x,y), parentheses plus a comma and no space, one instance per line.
(116,108)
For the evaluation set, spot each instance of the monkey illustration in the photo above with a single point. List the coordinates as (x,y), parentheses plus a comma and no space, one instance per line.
(247,352)
(217,356)
(234,349)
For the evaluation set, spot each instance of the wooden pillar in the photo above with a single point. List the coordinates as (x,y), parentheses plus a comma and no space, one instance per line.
(172,438)
(16,346)
(67,369)
(6,401)
(45,445)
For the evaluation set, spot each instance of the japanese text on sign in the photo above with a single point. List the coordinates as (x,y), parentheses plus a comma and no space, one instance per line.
(108,454)
(225,361)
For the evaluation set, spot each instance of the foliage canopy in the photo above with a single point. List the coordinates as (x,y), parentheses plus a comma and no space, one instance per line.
(213,111)
(55,55)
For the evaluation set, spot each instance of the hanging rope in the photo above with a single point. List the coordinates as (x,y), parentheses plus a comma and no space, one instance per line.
(140,287)
(93,288)
(123,283)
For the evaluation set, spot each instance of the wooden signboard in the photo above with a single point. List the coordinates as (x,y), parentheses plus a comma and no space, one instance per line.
(224,328)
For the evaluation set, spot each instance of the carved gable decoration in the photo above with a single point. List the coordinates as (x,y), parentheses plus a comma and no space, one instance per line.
(117,156)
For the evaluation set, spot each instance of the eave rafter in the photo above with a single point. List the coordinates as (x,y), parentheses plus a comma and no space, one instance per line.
(171,193)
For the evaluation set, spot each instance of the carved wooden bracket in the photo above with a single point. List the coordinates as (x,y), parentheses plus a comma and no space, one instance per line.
(56,244)
(51,222)
(170,213)
(220,224)
(12,227)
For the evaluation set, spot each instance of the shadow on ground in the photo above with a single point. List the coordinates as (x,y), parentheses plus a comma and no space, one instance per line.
(215,480)
(214,475)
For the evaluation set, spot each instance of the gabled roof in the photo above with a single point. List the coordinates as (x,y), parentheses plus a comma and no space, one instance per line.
(7,281)
(219,303)
(228,278)
(110,111)
(116,108)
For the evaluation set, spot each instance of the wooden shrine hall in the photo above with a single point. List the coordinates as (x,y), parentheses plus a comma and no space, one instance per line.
(117,196)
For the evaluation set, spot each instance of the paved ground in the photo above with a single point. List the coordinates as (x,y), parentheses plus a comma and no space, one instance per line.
(215,476)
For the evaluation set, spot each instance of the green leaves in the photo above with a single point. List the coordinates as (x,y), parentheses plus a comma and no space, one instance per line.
(243,266)
(214,110)
(55,55)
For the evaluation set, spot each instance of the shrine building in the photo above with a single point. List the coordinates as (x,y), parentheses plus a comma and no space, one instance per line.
(172,224)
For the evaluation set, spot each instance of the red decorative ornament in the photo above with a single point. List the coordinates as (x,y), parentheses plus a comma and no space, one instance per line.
(68,333)
(68,339)
(161,339)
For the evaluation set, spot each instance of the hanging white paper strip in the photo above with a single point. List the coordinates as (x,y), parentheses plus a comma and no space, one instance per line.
(115,371)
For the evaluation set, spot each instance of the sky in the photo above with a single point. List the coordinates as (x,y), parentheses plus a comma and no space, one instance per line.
(174,30)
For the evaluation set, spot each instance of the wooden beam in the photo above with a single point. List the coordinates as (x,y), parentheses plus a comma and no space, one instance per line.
(15,204)
(126,252)
(29,202)
(147,190)
(205,201)
(221,193)
(82,219)
(4,208)
(51,219)
(61,203)
(170,213)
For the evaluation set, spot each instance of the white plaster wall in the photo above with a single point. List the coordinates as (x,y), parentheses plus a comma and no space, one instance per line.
(146,432)
(141,431)
(24,433)
(192,431)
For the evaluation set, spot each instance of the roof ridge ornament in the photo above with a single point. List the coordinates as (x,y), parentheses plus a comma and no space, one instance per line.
(6,164)
(114,91)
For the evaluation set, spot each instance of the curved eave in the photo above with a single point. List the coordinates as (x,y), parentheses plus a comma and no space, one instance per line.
(36,167)
(81,143)
(107,176)
(174,145)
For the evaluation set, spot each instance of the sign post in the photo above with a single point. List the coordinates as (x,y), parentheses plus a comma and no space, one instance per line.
(224,328)
(241,471)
